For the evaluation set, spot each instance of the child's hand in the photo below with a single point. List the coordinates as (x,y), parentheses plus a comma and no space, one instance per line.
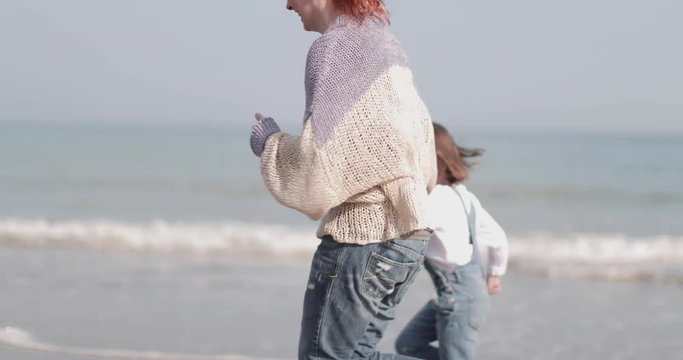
(493,284)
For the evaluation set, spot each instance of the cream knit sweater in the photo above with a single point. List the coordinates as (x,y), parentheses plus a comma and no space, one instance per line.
(365,160)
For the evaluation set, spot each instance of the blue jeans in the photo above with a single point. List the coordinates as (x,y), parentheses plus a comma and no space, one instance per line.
(453,319)
(351,294)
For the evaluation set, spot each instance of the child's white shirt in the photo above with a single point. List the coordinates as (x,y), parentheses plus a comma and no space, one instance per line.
(450,246)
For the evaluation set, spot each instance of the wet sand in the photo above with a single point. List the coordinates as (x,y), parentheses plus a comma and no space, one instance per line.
(173,305)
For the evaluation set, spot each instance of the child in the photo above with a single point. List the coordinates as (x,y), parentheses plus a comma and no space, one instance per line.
(462,278)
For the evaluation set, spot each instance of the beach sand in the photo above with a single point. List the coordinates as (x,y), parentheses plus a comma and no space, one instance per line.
(252,307)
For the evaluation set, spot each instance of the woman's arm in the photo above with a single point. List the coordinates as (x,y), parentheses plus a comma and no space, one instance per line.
(295,174)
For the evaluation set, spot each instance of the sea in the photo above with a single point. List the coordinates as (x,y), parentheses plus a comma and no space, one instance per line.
(107,231)
(611,201)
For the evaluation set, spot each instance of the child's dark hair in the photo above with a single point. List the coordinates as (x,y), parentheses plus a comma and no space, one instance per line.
(451,158)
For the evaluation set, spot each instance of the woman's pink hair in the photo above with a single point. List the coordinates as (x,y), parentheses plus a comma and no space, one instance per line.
(361,9)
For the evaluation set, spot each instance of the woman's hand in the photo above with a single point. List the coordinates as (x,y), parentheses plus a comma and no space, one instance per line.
(260,132)
(493,284)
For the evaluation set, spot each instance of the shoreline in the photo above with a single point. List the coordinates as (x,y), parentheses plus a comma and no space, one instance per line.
(611,272)
(76,299)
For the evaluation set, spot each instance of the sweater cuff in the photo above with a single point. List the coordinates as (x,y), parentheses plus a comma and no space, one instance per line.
(260,133)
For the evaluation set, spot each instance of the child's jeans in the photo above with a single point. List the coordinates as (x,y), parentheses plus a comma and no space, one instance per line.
(453,318)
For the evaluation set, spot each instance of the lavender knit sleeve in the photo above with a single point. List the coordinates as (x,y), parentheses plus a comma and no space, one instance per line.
(260,133)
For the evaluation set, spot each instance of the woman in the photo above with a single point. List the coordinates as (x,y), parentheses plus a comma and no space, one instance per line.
(461,227)
(363,164)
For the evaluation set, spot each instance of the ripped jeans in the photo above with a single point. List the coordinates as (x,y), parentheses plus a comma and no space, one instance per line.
(454,318)
(351,294)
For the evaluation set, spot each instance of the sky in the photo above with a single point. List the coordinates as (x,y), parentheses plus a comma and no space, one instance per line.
(579,64)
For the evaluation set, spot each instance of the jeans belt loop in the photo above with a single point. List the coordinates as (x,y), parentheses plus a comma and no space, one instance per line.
(457,276)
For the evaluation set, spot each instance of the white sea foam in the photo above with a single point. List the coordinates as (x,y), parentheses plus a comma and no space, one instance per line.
(602,256)
(592,248)
(226,238)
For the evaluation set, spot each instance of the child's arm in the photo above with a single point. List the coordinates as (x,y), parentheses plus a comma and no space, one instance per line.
(491,234)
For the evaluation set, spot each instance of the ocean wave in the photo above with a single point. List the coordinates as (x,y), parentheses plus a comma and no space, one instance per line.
(603,256)
(614,257)
(226,238)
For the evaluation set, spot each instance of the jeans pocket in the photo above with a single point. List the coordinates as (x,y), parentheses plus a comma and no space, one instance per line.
(445,303)
(476,320)
(326,258)
(448,303)
(382,275)
(478,311)
(410,248)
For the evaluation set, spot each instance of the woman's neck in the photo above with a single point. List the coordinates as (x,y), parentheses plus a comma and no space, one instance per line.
(328,16)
